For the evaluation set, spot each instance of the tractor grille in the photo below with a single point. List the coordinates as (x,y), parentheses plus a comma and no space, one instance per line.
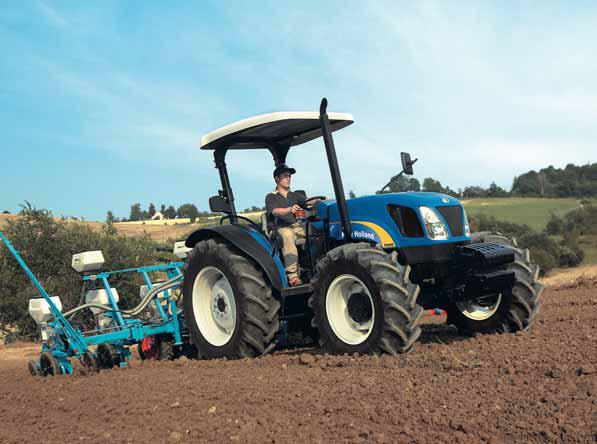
(406,220)
(453,216)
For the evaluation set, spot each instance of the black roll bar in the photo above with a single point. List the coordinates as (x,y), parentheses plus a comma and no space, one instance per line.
(334,170)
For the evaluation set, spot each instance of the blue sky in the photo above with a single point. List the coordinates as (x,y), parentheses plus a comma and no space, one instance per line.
(103,104)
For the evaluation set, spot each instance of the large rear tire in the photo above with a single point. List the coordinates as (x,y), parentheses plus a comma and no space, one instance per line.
(364,302)
(502,313)
(228,304)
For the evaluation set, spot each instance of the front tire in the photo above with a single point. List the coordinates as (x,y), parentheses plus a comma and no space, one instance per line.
(364,302)
(228,304)
(505,312)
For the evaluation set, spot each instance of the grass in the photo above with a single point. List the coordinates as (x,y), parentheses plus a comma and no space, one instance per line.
(532,211)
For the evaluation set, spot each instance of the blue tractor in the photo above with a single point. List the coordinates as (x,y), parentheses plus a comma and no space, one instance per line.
(371,264)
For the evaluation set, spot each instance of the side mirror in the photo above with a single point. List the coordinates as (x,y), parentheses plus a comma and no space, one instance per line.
(217,204)
(407,164)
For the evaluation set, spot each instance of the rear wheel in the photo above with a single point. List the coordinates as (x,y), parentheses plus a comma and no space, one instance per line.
(33,369)
(504,312)
(107,356)
(363,302)
(157,347)
(228,304)
(49,365)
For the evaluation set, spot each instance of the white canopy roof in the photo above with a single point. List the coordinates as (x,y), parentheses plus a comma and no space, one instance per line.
(285,128)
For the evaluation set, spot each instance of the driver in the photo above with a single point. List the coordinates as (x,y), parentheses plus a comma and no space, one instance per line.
(283,204)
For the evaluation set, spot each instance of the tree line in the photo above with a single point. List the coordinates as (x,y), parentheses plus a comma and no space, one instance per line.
(137,213)
(571,181)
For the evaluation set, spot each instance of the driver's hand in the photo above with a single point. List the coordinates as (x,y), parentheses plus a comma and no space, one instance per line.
(295,208)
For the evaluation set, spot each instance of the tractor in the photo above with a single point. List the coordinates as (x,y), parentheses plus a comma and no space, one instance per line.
(370,265)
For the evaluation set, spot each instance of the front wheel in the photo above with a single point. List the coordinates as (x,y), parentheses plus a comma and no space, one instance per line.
(228,304)
(505,312)
(364,302)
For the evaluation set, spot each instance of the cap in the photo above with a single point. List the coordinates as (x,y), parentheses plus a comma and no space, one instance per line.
(282,168)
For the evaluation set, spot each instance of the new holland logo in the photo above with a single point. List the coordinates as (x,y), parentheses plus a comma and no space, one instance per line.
(363,235)
(445,200)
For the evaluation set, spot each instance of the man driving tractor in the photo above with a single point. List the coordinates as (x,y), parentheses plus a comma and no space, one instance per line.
(284,205)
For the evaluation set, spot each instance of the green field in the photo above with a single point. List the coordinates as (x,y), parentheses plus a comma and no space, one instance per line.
(534,212)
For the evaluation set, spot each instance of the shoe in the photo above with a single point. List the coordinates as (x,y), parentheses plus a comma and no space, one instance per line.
(293,282)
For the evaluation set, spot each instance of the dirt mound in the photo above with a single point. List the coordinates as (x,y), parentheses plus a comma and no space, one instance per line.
(539,386)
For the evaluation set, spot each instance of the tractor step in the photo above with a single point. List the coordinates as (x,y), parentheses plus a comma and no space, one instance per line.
(297,291)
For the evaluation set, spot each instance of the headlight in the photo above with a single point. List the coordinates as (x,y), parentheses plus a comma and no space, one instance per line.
(436,229)
(467,227)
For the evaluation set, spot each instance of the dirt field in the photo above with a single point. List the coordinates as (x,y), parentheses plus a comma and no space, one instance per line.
(539,387)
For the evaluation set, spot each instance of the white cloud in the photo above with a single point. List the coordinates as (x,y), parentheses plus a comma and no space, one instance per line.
(52,16)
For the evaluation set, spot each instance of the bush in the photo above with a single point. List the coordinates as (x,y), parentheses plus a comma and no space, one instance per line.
(555,225)
(582,220)
(47,245)
(545,250)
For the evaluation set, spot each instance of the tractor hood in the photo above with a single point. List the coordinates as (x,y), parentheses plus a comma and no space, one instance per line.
(371,214)
(410,199)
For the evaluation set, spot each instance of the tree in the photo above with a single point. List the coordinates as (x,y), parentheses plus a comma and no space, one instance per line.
(474,192)
(496,191)
(188,210)
(110,219)
(136,213)
(170,212)
(6,212)
(151,211)
(432,185)
(401,184)
(351,194)
(162,208)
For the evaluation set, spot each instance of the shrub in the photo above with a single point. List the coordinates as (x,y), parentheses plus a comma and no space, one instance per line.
(545,250)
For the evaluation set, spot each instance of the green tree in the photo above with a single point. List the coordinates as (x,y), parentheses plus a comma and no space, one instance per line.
(496,191)
(474,192)
(403,183)
(188,210)
(110,219)
(351,194)
(432,185)
(6,212)
(136,213)
(170,212)
(151,210)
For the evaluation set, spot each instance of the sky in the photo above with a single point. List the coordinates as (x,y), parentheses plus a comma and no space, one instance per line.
(103,104)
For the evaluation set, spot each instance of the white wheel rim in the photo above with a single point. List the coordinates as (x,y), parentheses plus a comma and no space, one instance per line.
(349,330)
(214,306)
(473,310)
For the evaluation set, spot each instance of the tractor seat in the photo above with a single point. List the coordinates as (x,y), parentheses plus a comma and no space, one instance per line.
(269,227)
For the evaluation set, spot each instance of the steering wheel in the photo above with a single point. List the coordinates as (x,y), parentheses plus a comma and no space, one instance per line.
(314,198)
(254,224)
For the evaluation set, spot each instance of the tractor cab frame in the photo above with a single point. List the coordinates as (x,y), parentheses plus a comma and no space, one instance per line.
(277,132)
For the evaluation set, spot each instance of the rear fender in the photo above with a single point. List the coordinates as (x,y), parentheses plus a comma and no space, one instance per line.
(252,243)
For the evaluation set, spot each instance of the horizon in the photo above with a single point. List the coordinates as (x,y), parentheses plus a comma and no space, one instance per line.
(104,104)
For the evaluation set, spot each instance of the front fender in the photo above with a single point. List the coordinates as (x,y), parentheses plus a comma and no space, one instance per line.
(251,242)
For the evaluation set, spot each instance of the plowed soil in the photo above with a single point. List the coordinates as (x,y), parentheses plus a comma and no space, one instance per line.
(539,386)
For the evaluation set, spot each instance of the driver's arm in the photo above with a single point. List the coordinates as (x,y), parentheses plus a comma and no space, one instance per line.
(285,211)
